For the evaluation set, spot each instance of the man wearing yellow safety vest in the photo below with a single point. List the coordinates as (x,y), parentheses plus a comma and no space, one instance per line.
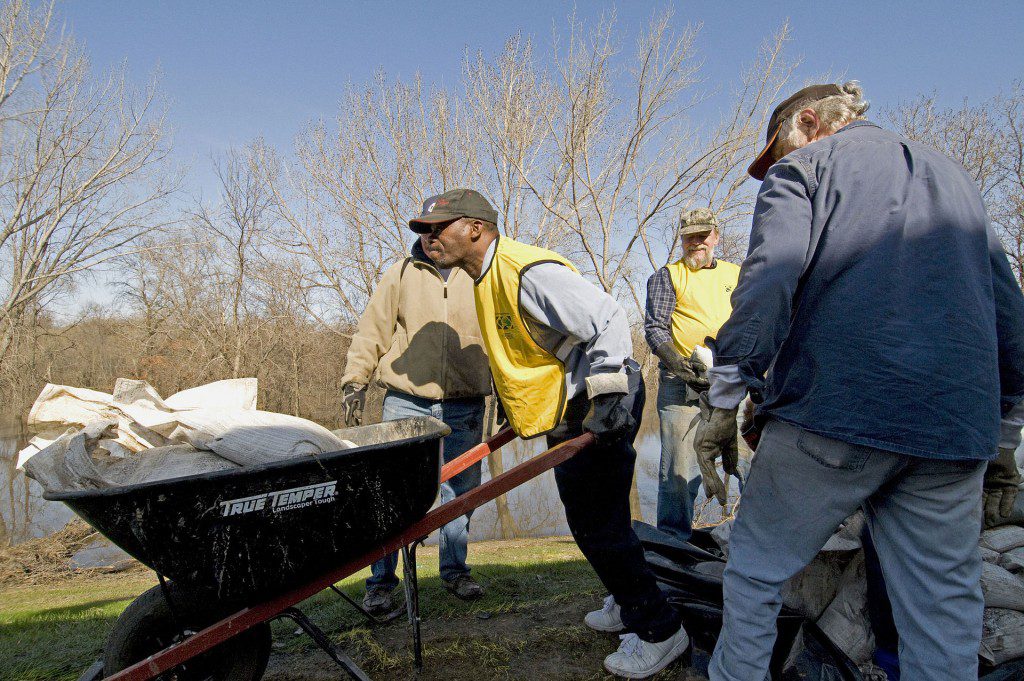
(687,301)
(560,352)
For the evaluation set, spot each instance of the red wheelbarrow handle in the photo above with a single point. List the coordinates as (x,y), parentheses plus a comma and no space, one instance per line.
(471,456)
(236,623)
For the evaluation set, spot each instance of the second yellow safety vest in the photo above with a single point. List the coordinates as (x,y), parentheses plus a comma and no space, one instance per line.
(703,302)
(529,379)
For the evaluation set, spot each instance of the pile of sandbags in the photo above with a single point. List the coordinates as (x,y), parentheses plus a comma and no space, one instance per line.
(1002,583)
(832,591)
(86,439)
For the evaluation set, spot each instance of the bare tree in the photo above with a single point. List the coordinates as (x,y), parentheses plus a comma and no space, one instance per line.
(597,157)
(1008,211)
(344,201)
(80,165)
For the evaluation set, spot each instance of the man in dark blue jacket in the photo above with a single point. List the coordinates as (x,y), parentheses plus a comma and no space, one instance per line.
(878,325)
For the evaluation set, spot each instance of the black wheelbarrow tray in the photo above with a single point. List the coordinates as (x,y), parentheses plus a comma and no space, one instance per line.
(236,549)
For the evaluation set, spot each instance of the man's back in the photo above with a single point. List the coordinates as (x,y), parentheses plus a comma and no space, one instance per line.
(893,338)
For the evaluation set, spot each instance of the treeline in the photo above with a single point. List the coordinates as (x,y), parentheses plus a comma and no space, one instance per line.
(592,149)
(299,365)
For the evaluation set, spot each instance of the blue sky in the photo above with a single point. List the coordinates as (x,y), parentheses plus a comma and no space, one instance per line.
(234,70)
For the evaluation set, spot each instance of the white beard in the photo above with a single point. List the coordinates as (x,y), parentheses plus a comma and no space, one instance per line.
(698,260)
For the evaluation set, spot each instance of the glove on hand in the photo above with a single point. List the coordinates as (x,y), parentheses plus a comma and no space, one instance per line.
(750,427)
(500,417)
(692,371)
(608,417)
(716,437)
(353,398)
(1000,489)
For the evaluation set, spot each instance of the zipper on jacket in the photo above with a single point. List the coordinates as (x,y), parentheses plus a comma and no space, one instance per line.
(444,344)
(444,336)
(444,341)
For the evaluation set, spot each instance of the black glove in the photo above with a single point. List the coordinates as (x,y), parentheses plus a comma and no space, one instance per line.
(500,417)
(691,370)
(751,426)
(1000,490)
(608,417)
(353,398)
(716,437)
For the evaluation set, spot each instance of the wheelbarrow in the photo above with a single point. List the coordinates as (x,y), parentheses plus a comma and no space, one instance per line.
(234,550)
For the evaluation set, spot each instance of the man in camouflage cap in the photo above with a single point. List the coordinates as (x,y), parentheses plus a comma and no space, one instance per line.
(687,301)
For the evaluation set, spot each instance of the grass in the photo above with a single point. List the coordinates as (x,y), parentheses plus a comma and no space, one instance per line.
(528,625)
(56,631)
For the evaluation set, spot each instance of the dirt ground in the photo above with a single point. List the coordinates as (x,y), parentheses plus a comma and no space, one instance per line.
(529,625)
(546,642)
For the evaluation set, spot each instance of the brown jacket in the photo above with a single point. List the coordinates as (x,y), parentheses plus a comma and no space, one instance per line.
(421,334)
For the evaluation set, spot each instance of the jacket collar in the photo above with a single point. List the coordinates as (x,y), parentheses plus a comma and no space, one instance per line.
(857,124)
(488,259)
(419,255)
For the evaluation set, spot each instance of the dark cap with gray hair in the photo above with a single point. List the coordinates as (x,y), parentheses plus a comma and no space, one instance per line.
(787,108)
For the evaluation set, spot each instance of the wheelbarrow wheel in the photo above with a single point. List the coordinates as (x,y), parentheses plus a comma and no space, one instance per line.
(147,626)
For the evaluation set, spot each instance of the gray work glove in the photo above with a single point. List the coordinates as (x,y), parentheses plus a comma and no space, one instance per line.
(1000,490)
(691,370)
(353,399)
(608,418)
(716,437)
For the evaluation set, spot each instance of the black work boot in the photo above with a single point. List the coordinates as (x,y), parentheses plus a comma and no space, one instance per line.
(464,587)
(377,600)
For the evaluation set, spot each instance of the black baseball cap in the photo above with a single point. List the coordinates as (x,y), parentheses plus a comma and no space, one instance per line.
(787,108)
(452,205)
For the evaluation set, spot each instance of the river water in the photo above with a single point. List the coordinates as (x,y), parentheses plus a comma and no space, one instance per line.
(535,508)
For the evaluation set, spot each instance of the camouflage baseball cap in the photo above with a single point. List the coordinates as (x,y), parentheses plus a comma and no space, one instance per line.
(452,205)
(697,221)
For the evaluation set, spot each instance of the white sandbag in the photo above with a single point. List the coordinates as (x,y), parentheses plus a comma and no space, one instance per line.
(845,621)
(1000,588)
(233,393)
(1002,636)
(811,590)
(253,437)
(61,406)
(246,436)
(165,463)
(720,533)
(988,555)
(39,443)
(1002,539)
(847,537)
(135,422)
(60,409)
(1012,560)
(67,465)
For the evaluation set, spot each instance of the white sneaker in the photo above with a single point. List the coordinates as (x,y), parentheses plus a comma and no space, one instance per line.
(607,619)
(638,659)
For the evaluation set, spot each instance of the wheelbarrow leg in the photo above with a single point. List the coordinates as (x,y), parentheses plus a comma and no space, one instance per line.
(320,638)
(412,602)
(175,619)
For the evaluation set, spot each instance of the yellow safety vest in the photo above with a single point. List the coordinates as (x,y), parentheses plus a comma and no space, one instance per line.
(530,380)
(703,302)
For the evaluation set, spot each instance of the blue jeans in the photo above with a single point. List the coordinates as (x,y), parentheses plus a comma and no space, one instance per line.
(923,515)
(679,476)
(466,419)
